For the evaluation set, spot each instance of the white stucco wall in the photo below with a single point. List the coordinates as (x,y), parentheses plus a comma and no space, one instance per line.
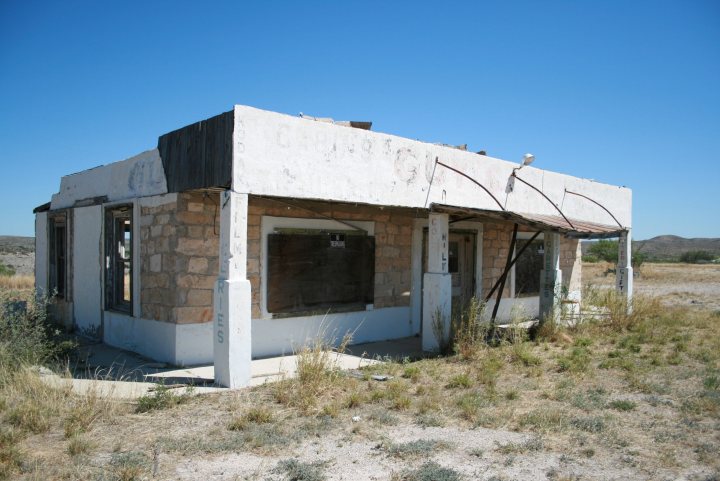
(137,176)
(272,337)
(87,269)
(281,155)
(41,252)
(179,344)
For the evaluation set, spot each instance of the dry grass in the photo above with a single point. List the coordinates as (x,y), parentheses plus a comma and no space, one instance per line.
(643,386)
(17,282)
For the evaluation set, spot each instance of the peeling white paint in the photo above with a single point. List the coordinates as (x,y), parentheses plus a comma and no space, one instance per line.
(137,176)
(395,171)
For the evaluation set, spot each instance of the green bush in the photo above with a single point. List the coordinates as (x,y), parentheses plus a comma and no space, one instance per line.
(695,257)
(25,334)
(6,270)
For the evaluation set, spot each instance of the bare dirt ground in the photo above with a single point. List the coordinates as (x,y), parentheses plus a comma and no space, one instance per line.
(675,283)
(632,397)
(21,263)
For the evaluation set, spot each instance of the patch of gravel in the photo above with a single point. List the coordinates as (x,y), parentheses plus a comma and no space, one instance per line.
(473,453)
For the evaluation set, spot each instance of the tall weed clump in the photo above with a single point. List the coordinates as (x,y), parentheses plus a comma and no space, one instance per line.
(24,331)
(469,332)
(317,372)
(616,313)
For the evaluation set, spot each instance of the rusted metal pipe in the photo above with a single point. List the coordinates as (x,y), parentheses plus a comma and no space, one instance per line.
(598,204)
(473,181)
(502,282)
(545,196)
(507,271)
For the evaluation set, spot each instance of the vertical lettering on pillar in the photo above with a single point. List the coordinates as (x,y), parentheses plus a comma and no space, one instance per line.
(444,250)
(622,264)
(225,199)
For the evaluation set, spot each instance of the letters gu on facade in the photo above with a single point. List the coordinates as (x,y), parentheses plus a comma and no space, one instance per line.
(241,235)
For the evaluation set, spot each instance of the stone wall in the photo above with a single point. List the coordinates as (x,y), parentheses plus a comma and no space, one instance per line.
(571,264)
(179,246)
(393,240)
(496,241)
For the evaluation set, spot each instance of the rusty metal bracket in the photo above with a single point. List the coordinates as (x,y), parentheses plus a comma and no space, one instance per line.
(598,204)
(473,181)
(508,263)
(544,196)
(507,271)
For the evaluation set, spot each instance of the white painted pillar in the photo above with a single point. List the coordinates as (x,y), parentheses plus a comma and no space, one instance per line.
(550,278)
(437,284)
(624,271)
(232,346)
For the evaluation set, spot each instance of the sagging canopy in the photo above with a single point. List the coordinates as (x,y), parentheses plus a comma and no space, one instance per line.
(574,228)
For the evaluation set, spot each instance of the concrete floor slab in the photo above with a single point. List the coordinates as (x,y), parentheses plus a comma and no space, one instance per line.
(109,371)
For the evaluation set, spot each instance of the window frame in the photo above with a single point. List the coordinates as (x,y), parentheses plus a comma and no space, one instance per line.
(522,238)
(58,281)
(271,224)
(116,215)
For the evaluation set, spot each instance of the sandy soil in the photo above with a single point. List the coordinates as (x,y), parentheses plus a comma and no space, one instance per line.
(24,264)
(676,284)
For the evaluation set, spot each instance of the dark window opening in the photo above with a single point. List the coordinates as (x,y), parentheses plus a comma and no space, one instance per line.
(118,259)
(527,270)
(313,272)
(453,265)
(58,256)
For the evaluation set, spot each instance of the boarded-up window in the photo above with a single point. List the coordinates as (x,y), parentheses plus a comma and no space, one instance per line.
(527,270)
(314,272)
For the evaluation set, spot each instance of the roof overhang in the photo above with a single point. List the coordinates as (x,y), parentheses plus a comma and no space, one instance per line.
(576,228)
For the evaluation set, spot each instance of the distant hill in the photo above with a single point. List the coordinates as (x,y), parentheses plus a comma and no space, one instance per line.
(16,245)
(669,247)
(18,253)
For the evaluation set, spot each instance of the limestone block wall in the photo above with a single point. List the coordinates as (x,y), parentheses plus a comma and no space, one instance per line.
(496,242)
(179,247)
(571,264)
(393,239)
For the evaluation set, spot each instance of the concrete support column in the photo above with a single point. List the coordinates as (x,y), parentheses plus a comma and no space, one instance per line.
(550,278)
(232,346)
(437,284)
(624,272)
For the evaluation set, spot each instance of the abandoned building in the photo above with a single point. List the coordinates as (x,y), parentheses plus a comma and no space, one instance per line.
(249,233)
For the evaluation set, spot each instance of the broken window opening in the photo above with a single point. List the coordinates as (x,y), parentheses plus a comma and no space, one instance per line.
(57,233)
(527,270)
(313,271)
(119,259)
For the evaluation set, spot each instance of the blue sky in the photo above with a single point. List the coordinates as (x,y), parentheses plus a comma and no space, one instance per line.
(622,92)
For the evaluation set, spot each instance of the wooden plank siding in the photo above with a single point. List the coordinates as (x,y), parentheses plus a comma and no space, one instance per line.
(199,155)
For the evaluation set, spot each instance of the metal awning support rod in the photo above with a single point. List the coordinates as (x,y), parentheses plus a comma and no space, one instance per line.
(507,270)
(508,263)
(545,196)
(473,181)
(598,204)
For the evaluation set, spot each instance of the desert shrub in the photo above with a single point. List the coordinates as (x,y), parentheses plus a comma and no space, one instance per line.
(429,471)
(604,250)
(469,333)
(11,457)
(696,257)
(299,471)
(460,381)
(417,448)
(25,335)
(6,270)
(317,373)
(161,398)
